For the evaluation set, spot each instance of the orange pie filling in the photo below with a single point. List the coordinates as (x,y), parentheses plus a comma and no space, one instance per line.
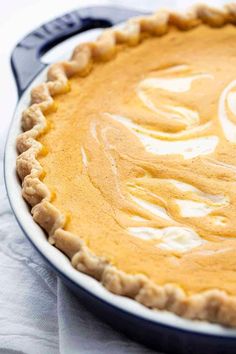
(141,154)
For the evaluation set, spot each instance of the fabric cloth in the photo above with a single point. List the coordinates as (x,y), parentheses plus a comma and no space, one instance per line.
(38,314)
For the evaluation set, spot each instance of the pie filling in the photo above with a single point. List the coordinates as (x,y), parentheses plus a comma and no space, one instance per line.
(142,158)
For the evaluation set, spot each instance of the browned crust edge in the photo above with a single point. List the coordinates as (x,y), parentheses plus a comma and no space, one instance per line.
(213,305)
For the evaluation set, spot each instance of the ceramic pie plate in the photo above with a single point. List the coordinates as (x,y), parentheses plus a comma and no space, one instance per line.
(160,330)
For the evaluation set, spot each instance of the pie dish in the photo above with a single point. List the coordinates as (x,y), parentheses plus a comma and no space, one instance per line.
(127,159)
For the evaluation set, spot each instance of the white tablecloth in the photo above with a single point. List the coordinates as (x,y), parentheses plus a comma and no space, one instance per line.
(38,314)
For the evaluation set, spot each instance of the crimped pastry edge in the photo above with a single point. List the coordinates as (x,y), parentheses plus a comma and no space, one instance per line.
(213,305)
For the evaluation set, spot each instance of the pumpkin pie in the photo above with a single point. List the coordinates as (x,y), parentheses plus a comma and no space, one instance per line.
(128,160)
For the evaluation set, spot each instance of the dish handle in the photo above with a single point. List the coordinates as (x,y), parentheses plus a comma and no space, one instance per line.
(26,57)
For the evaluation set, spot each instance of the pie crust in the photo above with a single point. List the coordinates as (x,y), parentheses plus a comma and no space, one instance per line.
(213,305)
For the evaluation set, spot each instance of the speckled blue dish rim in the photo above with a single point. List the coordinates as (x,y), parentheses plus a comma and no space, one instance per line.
(129,310)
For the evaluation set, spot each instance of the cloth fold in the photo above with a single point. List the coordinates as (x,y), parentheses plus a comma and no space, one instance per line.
(28,291)
(83,332)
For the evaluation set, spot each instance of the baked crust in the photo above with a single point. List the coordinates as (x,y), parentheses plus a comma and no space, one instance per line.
(213,305)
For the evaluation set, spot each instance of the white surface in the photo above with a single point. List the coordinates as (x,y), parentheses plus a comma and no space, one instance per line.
(38,314)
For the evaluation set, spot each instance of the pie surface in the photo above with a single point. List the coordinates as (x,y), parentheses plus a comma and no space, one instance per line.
(140,156)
